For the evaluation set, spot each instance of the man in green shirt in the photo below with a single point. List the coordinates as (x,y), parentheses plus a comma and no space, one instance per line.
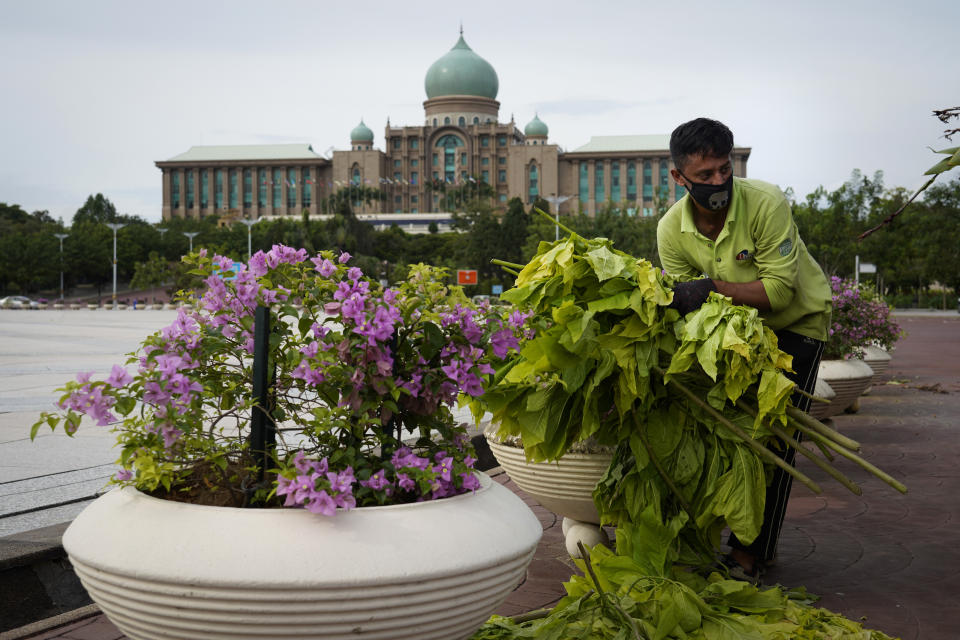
(737,237)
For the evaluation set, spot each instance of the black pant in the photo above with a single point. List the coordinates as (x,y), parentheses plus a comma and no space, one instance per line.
(806,354)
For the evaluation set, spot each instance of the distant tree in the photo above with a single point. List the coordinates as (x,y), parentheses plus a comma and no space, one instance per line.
(830,221)
(96,209)
(152,272)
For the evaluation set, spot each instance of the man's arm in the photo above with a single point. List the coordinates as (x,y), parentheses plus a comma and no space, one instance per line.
(752,294)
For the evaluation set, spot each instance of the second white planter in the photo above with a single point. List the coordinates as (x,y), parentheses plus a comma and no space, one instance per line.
(848,379)
(564,487)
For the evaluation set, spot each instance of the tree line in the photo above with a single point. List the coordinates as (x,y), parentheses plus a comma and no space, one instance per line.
(912,253)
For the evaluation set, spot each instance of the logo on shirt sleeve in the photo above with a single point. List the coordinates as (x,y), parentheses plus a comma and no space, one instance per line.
(785,247)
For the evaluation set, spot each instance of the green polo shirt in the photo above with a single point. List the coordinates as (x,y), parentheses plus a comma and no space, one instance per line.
(759,241)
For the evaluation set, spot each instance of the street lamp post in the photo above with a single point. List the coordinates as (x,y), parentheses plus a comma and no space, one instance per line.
(115,226)
(191,235)
(249,224)
(60,237)
(556,201)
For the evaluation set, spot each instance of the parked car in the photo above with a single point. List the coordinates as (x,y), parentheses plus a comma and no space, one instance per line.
(18,302)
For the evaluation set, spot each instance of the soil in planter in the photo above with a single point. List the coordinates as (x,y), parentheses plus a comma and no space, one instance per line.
(209,485)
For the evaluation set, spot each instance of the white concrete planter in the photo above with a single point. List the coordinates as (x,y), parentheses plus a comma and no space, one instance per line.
(57,305)
(156,305)
(848,379)
(438,569)
(879,360)
(825,391)
(564,487)
(93,307)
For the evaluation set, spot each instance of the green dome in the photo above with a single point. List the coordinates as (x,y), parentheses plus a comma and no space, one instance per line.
(536,127)
(361,133)
(461,72)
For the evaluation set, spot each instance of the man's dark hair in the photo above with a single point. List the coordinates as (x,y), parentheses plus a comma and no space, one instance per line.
(700,137)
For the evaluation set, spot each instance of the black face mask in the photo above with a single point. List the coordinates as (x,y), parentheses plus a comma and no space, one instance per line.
(713,197)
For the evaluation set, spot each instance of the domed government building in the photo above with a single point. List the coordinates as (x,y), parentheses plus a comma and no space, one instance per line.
(461,144)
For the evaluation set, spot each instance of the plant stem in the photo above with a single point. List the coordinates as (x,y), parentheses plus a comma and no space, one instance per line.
(504,263)
(822,429)
(824,450)
(761,450)
(780,433)
(849,455)
(554,221)
(539,614)
(603,596)
(807,394)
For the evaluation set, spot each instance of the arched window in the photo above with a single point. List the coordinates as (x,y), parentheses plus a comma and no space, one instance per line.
(446,120)
(534,188)
(434,122)
(462,121)
(449,144)
(476,120)
(355,181)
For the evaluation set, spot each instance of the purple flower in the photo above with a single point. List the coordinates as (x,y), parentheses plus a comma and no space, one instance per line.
(502,342)
(324,267)
(123,475)
(344,257)
(377,481)
(444,468)
(470,482)
(405,483)
(343,481)
(320,502)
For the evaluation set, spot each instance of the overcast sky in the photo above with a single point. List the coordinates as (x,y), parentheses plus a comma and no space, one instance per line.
(94,92)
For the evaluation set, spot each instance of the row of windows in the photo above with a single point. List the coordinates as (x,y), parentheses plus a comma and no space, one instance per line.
(414,143)
(227,192)
(616,194)
(461,121)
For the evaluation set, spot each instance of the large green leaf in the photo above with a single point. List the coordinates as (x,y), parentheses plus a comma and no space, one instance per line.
(740,494)
(606,264)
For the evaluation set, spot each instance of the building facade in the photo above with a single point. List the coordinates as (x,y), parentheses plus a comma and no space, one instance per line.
(462,149)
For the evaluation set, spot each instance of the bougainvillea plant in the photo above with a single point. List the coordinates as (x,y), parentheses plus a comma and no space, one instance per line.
(860,319)
(365,378)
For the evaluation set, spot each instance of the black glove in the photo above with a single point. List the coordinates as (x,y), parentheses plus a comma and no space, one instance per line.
(688,296)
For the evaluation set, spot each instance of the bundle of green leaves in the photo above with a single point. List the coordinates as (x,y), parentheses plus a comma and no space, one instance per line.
(610,361)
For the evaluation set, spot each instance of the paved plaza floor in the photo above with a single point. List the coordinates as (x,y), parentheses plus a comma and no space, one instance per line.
(891,560)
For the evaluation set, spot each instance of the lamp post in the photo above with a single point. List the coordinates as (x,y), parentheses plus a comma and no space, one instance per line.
(60,237)
(191,235)
(249,224)
(556,201)
(115,226)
